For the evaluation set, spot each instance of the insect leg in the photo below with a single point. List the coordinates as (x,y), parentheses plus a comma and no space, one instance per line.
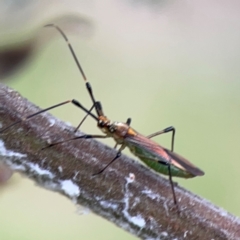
(168,164)
(73,101)
(80,124)
(171,181)
(166,130)
(113,160)
(35,114)
(85,136)
(172,186)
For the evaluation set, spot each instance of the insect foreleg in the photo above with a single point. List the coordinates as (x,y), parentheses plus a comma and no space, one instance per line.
(73,101)
(80,124)
(35,114)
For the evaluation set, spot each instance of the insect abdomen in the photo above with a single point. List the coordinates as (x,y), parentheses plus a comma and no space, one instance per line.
(156,163)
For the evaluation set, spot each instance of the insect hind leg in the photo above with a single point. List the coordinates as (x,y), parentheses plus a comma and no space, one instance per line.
(166,130)
(171,182)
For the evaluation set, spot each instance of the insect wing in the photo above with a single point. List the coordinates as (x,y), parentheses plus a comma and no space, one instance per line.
(184,163)
(161,154)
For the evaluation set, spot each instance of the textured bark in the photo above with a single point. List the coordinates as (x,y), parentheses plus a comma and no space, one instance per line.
(127,193)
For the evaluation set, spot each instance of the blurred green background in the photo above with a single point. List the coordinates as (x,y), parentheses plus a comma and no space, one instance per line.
(160,64)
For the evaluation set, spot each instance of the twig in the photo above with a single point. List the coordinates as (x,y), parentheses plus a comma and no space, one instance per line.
(127,193)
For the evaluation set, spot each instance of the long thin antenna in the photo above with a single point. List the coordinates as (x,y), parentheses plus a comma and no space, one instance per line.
(88,85)
(71,49)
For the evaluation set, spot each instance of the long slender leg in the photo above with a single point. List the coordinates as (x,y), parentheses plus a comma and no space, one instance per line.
(168,164)
(166,130)
(35,114)
(171,181)
(73,101)
(86,136)
(80,124)
(113,160)
(172,186)
(98,106)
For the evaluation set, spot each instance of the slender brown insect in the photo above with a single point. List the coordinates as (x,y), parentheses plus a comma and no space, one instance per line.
(158,158)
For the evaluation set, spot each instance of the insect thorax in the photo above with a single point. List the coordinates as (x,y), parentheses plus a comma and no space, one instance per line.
(116,130)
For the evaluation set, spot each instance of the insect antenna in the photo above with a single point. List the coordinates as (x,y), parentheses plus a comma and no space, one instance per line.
(88,85)
(96,105)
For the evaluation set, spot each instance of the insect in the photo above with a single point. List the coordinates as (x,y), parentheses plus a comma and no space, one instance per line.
(158,158)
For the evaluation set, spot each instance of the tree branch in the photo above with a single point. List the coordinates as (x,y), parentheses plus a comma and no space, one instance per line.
(127,193)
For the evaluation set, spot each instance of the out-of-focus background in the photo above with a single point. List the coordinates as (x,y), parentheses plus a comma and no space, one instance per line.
(161,63)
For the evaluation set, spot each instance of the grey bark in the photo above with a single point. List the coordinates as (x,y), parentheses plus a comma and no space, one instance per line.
(127,193)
